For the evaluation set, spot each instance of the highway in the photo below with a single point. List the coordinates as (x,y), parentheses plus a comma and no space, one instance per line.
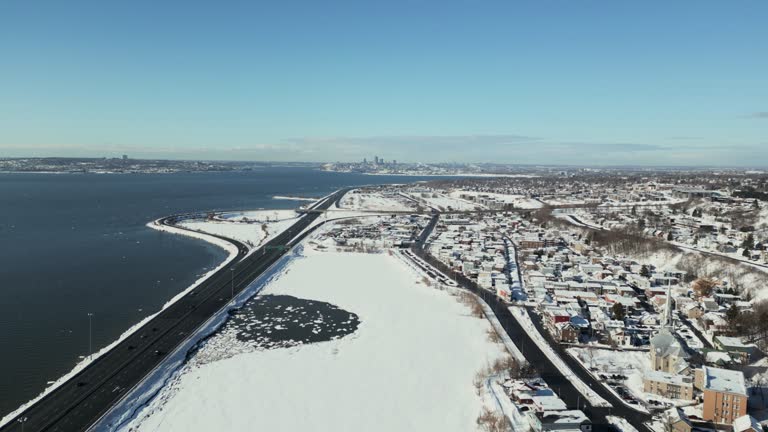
(78,403)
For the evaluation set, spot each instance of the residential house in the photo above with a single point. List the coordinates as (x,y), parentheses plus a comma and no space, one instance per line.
(561,421)
(747,423)
(678,420)
(566,332)
(735,347)
(693,311)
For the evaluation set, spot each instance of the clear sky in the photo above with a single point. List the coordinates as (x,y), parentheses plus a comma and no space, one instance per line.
(572,81)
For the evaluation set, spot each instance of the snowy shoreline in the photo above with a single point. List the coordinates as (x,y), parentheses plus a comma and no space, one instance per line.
(293,198)
(80,366)
(139,397)
(479,175)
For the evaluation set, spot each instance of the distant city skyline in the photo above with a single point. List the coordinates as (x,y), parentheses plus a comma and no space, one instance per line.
(595,83)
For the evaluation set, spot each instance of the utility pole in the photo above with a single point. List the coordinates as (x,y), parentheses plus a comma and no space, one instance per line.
(90,336)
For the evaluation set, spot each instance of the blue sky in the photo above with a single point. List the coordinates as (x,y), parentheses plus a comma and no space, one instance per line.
(566,82)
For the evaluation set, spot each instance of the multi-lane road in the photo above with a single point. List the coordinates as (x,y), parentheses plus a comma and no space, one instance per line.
(82,400)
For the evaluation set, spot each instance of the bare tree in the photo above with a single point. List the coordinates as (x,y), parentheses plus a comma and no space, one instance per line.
(469,300)
(703,287)
(490,421)
(479,381)
(492,335)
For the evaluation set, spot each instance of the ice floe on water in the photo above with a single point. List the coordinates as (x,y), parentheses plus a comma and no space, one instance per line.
(277,321)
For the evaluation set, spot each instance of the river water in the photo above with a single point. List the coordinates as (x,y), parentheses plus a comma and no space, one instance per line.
(73,244)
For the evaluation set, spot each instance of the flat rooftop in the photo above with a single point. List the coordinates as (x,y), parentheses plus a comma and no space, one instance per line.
(724,380)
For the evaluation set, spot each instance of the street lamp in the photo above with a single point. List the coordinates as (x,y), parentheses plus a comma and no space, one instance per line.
(232,281)
(22,420)
(90,336)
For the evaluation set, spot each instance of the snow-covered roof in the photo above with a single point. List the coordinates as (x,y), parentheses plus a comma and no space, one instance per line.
(668,378)
(625,301)
(563,417)
(733,342)
(746,423)
(549,402)
(580,322)
(718,356)
(665,344)
(724,380)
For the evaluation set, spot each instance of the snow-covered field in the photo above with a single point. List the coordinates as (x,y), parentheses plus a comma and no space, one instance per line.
(263,225)
(444,202)
(409,366)
(376,201)
(260,215)
(518,201)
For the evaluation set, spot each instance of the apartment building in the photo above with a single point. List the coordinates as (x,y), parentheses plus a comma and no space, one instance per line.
(725,394)
(668,385)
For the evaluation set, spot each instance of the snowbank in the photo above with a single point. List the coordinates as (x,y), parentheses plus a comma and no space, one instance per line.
(511,347)
(517,420)
(620,424)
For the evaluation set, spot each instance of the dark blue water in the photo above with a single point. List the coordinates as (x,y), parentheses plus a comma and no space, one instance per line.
(77,243)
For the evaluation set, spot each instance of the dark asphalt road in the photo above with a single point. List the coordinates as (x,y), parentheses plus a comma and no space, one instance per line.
(548,371)
(82,400)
